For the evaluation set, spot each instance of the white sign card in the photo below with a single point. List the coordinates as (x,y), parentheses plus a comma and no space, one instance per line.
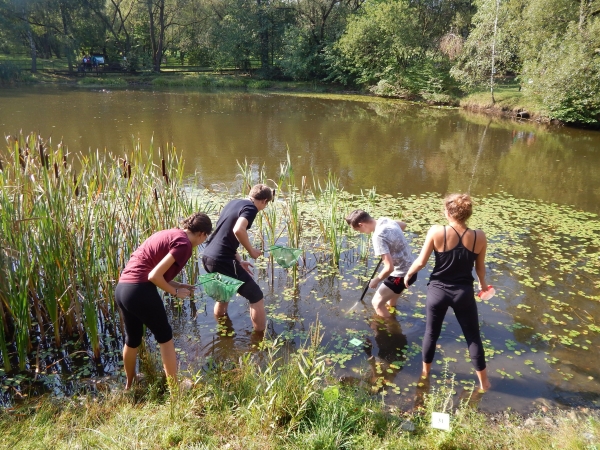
(440,421)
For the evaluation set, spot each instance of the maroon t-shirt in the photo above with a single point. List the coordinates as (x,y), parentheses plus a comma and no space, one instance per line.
(152,251)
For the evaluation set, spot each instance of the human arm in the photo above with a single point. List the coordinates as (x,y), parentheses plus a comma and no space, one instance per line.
(421,260)
(401,224)
(480,262)
(388,268)
(157,276)
(178,285)
(240,230)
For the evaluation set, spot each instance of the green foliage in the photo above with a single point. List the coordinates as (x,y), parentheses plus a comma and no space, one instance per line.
(386,45)
(474,65)
(382,38)
(566,75)
(300,59)
(9,72)
(259,84)
(102,81)
(427,78)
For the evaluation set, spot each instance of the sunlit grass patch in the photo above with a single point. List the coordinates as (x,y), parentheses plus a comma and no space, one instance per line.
(507,97)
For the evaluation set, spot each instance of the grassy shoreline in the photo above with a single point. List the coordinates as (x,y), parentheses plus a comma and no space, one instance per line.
(272,400)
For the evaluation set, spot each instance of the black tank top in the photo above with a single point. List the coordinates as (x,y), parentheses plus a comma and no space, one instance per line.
(454,266)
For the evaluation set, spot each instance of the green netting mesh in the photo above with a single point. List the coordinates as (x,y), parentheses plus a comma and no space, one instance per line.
(220,287)
(285,256)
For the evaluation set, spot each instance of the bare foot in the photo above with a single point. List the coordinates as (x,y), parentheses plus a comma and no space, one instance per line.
(485,386)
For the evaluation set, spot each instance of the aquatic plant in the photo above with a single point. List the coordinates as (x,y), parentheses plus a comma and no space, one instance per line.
(67,234)
(329,213)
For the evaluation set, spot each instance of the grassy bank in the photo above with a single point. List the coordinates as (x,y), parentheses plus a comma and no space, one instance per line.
(277,399)
(509,101)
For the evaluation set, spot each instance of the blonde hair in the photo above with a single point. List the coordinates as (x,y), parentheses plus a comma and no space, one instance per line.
(459,206)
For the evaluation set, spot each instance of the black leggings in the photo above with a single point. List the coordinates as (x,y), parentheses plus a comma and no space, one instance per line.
(462,300)
(141,305)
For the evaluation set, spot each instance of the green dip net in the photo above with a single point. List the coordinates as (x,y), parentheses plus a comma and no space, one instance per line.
(220,287)
(285,256)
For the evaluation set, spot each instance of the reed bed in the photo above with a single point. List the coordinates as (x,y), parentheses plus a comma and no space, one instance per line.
(66,233)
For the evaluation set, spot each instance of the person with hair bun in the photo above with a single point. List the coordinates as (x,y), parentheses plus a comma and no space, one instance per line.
(154,264)
(457,249)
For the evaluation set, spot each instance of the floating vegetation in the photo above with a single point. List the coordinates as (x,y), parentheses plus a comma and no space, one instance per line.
(70,222)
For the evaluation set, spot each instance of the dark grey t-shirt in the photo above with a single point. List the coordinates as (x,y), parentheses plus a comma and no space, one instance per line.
(389,238)
(222,244)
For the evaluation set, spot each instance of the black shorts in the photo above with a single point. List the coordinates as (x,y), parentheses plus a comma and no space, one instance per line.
(141,305)
(396,284)
(233,269)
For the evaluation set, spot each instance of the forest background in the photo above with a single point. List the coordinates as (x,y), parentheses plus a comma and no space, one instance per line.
(432,50)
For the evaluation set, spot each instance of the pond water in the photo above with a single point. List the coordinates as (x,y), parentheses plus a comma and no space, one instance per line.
(539,188)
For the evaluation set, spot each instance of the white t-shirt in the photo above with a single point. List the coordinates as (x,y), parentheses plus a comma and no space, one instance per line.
(389,238)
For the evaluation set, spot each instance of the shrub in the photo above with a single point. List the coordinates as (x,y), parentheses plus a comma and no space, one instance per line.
(10,72)
(259,84)
(566,76)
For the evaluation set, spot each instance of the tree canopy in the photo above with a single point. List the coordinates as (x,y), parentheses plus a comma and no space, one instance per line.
(428,49)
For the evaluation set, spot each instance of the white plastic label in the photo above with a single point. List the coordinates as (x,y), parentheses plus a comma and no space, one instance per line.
(440,421)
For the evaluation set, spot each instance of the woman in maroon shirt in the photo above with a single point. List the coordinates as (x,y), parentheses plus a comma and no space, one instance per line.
(155,264)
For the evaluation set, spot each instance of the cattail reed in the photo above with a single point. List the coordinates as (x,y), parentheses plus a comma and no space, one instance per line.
(61,269)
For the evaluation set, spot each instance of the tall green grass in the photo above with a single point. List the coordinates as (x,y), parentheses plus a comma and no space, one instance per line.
(66,234)
(330,213)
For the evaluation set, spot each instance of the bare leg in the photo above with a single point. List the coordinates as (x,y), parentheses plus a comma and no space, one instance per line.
(383,295)
(258,315)
(169,359)
(423,386)
(393,301)
(484,382)
(256,338)
(426,370)
(220,309)
(129,359)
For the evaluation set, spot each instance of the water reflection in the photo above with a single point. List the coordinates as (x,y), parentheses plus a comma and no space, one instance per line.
(388,358)
(396,147)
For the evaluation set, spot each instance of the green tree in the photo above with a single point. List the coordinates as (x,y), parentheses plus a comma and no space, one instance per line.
(566,74)
(491,48)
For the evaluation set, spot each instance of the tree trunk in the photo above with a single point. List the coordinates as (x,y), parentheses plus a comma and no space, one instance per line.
(63,15)
(152,35)
(31,43)
(264,38)
(161,35)
(157,42)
